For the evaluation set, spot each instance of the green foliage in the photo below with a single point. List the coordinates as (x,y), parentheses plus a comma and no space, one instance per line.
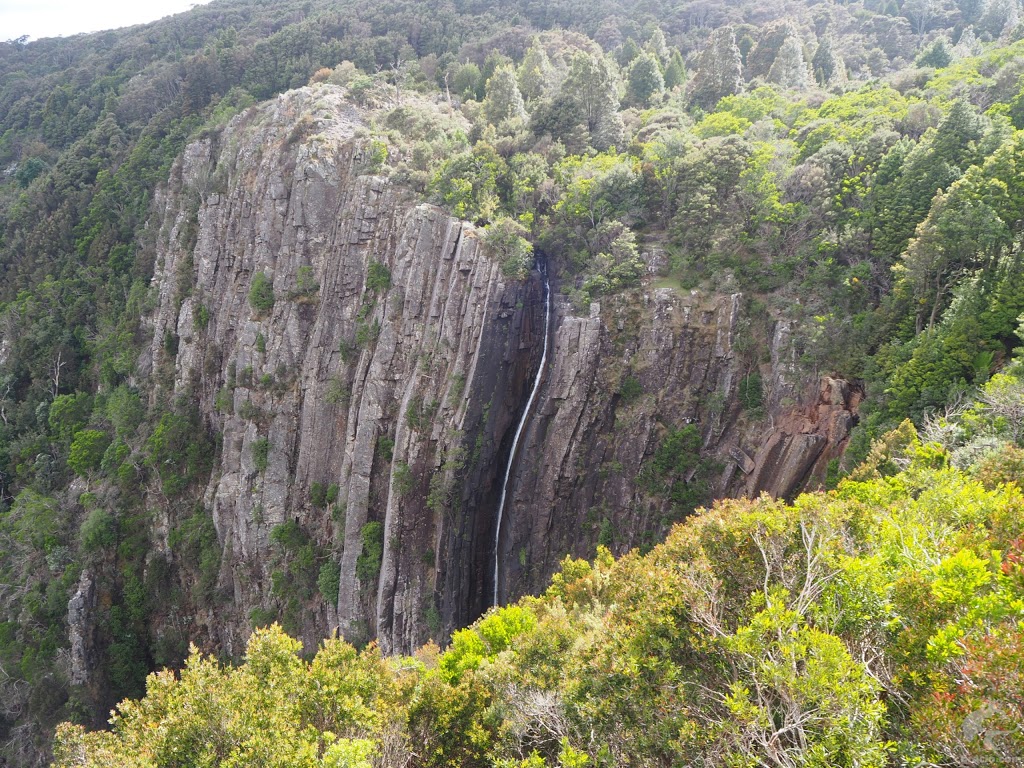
(180,451)
(378,277)
(87,449)
(508,240)
(377,155)
(645,82)
(402,479)
(718,70)
(277,708)
(68,414)
(503,102)
(792,625)
(729,185)
(331,494)
(328,580)
(261,294)
(289,536)
(366,332)
(938,55)
(318,495)
(751,392)
(668,473)
(194,540)
(369,560)
(630,389)
(419,415)
(468,183)
(124,411)
(489,637)
(260,453)
(306,286)
(98,532)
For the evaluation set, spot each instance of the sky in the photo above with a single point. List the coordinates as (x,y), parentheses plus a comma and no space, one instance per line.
(53,18)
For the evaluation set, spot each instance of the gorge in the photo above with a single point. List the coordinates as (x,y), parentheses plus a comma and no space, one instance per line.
(419,396)
(527,411)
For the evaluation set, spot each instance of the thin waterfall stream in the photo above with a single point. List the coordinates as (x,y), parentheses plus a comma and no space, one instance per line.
(542,266)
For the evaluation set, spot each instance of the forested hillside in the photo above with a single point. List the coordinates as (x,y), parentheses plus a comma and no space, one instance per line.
(847,174)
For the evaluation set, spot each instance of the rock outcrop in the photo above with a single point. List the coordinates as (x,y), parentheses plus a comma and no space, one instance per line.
(366,401)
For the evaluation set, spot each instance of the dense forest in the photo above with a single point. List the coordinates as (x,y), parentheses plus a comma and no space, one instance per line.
(851,168)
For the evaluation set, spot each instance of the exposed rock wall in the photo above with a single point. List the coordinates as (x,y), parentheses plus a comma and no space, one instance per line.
(585,454)
(385,390)
(393,364)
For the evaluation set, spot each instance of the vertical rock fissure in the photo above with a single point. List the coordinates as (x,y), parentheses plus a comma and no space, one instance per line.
(542,267)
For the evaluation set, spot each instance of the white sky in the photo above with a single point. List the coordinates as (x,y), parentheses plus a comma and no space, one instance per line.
(53,18)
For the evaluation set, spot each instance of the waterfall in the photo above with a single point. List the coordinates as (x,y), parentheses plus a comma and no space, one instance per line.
(542,266)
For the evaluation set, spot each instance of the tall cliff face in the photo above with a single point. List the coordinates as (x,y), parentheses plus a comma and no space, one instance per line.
(392,351)
(367,388)
(622,382)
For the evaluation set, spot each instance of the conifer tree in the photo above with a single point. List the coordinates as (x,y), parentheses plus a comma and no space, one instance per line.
(760,59)
(645,82)
(825,61)
(658,47)
(627,52)
(503,101)
(967,46)
(675,72)
(591,87)
(999,17)
(937,55)
(789,70)
(718,69)
(536,74)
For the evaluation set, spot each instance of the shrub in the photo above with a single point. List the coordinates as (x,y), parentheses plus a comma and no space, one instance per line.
(69,413)
(195,541)
(262,617)
(508,240)
(289,536)
(87,451)
(260,453)
(115,455)
(630,389)
(337,392)
(368,562)
(378,277)
(367,333)
(261,294)
(403,479)
(201,318)
(98,531)
(751,392)
(317,495)
(306,285)
(329,580)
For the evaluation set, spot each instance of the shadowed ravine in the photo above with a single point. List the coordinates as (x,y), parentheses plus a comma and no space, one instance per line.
(542,267)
